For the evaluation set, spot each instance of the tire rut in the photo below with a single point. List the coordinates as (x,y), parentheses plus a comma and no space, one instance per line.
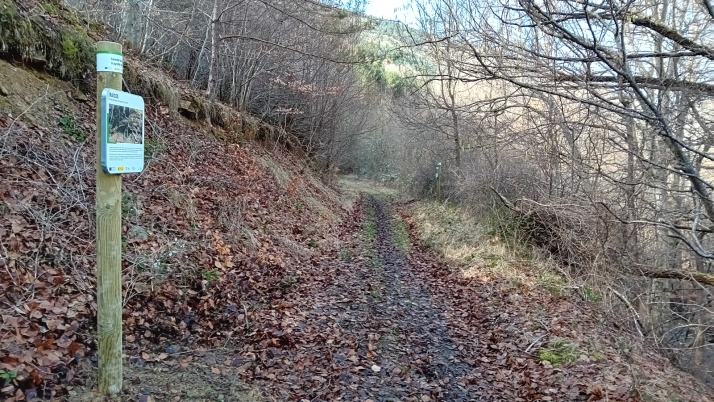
(407,304)
(368,330)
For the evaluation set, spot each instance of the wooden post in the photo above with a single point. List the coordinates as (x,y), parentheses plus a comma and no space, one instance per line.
(108,200)
(438,182)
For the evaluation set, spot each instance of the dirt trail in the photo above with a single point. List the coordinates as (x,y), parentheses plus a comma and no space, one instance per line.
(368,330)
(407,304)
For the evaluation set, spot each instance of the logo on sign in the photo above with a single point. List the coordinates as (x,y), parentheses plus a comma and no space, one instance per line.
(113,95)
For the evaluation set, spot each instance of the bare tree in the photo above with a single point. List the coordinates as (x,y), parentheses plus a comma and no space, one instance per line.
(610,95)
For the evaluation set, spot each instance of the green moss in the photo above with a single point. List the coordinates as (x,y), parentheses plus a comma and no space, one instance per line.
(210,275)
(153,148)
(559,351)
(8,13)
(288,281)
(590,294)
(152,85)
(50,8)
(401,237)
(69,49)
(369,230)
(552,282)
(197,102)
(129,206)
(63,47)
(168,95)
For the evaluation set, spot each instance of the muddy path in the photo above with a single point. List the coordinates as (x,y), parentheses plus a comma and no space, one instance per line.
(367,328)
(407,305)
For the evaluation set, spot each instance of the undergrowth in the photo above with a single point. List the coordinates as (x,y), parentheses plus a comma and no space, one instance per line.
(559,351)
(494,243)
(368,226)
(69,126)
(487,244)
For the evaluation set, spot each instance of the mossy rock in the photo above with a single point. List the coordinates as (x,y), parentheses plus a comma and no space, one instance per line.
(187,109)
(228,118)
(63,49)
(250,126)
(152,84)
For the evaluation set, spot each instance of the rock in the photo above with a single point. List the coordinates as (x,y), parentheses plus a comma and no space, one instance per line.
(187,109)
(36,57)
(138,233)
(137,361)
(4,91)
(173,349)
(80,96)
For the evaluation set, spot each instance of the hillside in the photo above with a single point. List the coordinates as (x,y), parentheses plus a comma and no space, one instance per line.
(206,215)
(248,278)
(236,264)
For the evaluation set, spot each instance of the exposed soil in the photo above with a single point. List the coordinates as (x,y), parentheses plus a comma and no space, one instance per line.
(369,332)
(406,304)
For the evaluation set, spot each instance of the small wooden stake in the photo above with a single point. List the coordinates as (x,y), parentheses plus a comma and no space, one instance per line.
(438,182)
(108,199)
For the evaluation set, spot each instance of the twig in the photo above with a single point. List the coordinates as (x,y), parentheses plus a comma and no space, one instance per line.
(637,315)
(505,201)
(7,132)
(534,342)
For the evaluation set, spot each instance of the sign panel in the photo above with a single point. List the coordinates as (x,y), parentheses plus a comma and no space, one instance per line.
(122,132)
(112,62)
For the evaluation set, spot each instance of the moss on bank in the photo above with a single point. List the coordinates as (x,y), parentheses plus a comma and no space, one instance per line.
(63,48)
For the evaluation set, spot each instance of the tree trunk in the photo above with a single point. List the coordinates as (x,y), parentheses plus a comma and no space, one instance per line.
(213,64)
(133,23)
(704,279)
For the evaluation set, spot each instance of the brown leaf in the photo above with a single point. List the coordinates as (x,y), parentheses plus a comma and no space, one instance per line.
(63,342)
(74,347)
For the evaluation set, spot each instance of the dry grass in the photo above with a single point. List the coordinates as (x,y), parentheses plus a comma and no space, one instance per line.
(320,208)
(281,176)
(478,248)
(482,249)
(350,188)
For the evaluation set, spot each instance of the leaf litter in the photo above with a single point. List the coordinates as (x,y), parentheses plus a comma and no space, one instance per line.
(243,285)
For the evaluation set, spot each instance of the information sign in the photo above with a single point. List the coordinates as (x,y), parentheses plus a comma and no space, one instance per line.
(112,62)
(122,132)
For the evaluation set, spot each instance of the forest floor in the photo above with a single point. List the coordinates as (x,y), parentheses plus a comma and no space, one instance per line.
(386,318)
(247,279)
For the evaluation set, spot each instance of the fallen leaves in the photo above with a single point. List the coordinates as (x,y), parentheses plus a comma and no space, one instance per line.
(232,260)
(204,260)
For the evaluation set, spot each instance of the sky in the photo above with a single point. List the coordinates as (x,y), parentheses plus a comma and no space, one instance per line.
(385,9)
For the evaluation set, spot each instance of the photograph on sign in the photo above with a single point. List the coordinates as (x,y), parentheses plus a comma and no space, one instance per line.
(123,128)
(125,124)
